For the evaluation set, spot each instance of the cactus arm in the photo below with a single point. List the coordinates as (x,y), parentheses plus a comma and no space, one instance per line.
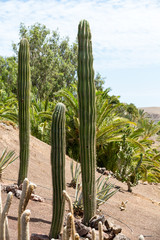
(24,107)
(25,225)
(58,146)
(31,188)
(87,117)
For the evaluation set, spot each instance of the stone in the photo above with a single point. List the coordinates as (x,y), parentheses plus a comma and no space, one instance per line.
(141,237)
(108,223)
(94,222)
(121,237)
(18,193)
(11,188)
(36,198)
(81,229)
(116,229)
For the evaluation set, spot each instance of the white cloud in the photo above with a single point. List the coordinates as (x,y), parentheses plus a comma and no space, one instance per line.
(125,32)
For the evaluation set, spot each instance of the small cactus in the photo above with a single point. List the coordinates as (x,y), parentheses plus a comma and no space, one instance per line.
(58,150)
(25,225)
(27,190)
(68,199)
(3,216)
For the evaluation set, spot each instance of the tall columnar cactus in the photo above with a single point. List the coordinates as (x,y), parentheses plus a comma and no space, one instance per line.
(24,105)
(58,148)
(87,116)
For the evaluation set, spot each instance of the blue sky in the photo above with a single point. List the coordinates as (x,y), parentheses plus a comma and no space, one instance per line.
(125,36)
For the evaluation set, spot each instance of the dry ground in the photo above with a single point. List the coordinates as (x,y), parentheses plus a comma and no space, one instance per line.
(142,214)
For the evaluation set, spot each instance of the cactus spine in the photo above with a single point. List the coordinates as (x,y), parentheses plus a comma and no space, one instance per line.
(87,116)
(58,148)
(24,105)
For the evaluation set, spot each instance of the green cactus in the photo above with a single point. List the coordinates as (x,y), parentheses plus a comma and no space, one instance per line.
(24,105)
(87,116)
(58,148)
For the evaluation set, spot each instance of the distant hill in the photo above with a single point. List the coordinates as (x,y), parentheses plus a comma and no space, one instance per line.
(153,113)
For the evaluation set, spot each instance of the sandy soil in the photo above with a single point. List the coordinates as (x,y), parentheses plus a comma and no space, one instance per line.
(142,214)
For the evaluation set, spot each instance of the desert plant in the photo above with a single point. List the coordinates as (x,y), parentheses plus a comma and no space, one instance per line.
(58,148)
(105,190)
(25,225)
(4,234)
(87,118)
(27,190)
(75,173)
(127,170)
(6,159)
(24,107)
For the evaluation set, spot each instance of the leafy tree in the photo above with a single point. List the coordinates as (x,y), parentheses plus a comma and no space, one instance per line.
(8,75)
(53,61)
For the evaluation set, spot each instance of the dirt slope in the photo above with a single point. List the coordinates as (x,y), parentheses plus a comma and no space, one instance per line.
(153,113)
(142,214)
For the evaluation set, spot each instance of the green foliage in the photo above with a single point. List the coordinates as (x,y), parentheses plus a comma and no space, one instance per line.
(8,108)
(75,173)
(40,118)
(104,191)
(150,168)
(53,61)
(8,75)
(127,169)
(6,159)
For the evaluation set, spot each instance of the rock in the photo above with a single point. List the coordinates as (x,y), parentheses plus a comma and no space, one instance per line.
(81,229)
(11,188)
(18,193)
(94,222)
(141,237)
(35,236)
(145,183)
(120,237)
(36,198)
(116,229)
(108,223)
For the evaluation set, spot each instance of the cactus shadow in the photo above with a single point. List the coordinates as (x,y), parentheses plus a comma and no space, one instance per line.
(31,219)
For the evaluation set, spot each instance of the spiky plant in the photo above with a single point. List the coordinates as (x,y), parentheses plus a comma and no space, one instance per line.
(6,159)
(24,107)
(58,148)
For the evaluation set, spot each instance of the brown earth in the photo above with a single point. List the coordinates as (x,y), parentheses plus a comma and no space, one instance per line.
(142,214)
